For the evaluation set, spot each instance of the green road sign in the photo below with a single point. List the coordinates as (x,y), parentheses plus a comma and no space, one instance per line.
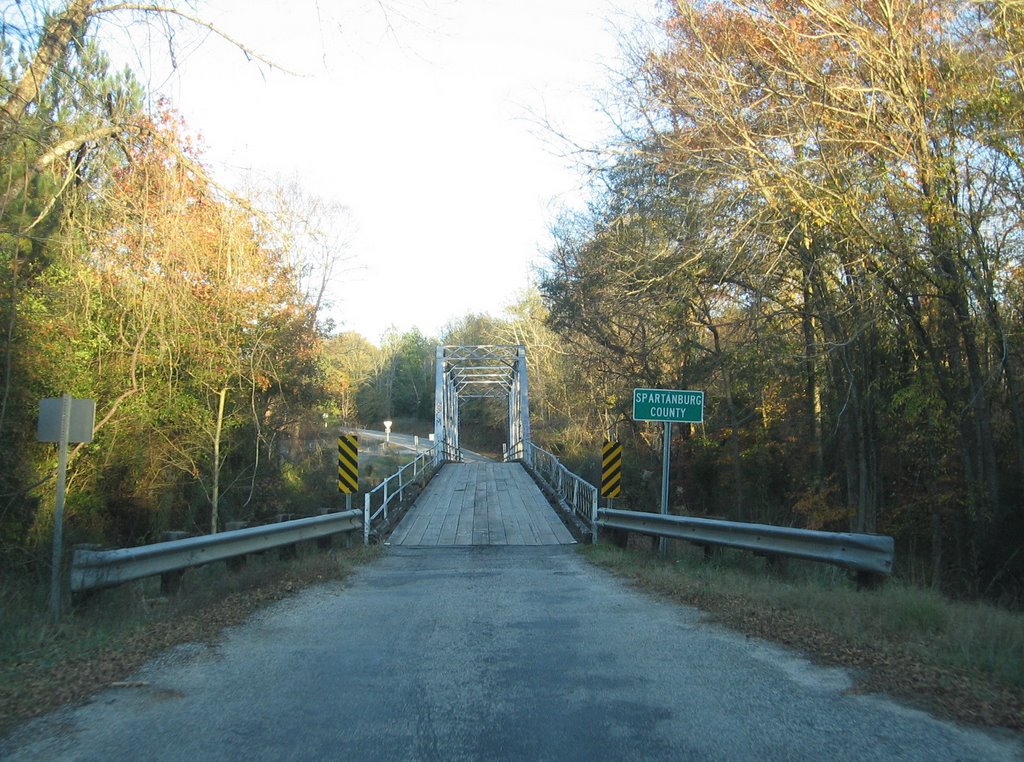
(669,405)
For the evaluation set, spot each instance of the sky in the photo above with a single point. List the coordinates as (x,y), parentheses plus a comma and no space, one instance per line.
(425,119)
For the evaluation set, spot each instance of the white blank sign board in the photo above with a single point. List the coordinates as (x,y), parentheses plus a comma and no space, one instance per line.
(83,416)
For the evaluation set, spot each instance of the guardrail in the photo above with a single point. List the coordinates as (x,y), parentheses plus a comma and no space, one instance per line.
(578,495)
(387,490)
(91,569)
(865,553)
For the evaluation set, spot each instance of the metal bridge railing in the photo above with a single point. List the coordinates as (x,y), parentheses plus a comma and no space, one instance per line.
(871,556)
(91,569)
(576,494)
(376,501)
(863,553)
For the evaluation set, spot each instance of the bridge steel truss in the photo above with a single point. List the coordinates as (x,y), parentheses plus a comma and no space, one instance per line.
(480,372)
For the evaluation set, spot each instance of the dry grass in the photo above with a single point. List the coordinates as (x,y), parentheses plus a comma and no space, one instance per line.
(964,660)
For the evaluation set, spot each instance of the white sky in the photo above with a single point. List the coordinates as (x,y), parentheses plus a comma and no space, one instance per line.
(420,116)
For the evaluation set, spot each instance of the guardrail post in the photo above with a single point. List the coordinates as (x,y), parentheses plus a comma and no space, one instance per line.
(593,516)
(867,580)
(170,582)
(236,563)
(711,552)
(366,519)
(286,552)
(776,565)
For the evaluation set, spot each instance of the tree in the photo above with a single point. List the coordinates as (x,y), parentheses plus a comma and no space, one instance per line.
(817,216)
(349,359)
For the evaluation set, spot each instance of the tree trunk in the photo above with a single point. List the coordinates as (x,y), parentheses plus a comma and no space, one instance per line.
(12,321)
(812,393)
(215,490)
(57,35)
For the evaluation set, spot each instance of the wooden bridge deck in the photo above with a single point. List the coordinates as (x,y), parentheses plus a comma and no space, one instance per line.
(481,504)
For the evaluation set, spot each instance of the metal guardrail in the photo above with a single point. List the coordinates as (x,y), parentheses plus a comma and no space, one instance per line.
(578,495)
(386,491)
(91,569)
(869,553)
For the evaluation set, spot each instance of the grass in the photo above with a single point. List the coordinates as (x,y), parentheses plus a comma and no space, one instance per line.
(961,659)
(378,463)
(106,638)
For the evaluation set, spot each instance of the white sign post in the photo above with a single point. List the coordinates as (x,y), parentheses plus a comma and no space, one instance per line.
(387,431)
(62,421)
(667,405)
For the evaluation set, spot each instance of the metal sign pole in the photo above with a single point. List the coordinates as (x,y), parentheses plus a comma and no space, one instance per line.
(58,508)
(666,456)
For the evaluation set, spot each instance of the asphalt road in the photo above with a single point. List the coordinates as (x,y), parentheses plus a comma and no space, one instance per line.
(490,653)
(408,442)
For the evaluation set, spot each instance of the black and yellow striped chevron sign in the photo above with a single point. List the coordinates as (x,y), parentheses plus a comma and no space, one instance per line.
(611,469)
(348,464)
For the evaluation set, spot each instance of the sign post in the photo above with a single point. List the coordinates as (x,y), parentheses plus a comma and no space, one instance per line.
(667,406)
(62,421)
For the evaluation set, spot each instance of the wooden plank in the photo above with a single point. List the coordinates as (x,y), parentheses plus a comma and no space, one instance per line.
(520,521)
(440,508)
(451,520)
(497,498)
(548,527)
(480,535)
(411,529)
(465,492)
(509,516)
(481,504)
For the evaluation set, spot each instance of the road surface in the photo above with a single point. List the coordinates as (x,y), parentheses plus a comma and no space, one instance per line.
(408,442)
(490,653)
(481,504)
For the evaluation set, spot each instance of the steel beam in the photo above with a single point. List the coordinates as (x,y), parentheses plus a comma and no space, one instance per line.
(103,568)
(862,552)
(480,372)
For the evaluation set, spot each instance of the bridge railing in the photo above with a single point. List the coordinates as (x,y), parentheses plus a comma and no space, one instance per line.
(92,568)
(867,554)
(576,494)
(377,500)
(870,556)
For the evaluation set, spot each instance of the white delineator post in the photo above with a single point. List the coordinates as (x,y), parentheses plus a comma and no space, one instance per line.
(366,519)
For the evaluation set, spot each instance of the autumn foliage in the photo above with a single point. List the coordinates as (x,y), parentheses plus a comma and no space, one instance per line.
(131,278)
(815,214)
